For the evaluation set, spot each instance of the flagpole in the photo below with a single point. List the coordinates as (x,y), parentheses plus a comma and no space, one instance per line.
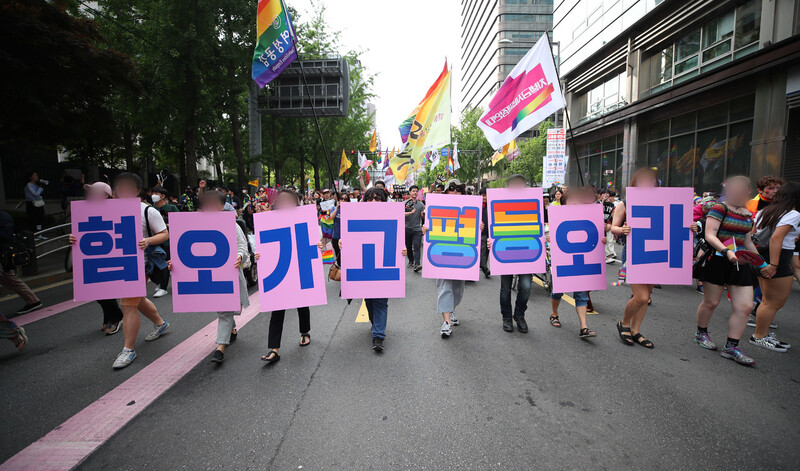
(566,113)
(310,97)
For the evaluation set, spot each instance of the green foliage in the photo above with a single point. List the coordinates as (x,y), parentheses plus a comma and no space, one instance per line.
(532,152)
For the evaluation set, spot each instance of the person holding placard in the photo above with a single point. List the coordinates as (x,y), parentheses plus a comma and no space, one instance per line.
(284,200)
(415,210)
(636,308)
(129,185)
(728,227)
(578,196)
(776,234)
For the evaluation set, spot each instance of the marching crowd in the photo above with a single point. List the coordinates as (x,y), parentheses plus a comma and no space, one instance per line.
(725,226)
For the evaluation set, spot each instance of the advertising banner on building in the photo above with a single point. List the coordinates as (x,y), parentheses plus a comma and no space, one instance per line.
(555,160)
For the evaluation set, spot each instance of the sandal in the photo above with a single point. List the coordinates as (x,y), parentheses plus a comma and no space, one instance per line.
(639,338)
(626,339)
(271,357)
(585,333)
(305,336)
(22,340)
(554,321)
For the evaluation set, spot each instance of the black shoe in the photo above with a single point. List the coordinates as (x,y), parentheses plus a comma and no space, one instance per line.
(487,274)
(657,286)
(377,344)
(522,326)
(30,307)
(234,334)
(217,357)
(417,268)
(508,325)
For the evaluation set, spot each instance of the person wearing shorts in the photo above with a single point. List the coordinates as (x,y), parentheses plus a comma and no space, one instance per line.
(780,222)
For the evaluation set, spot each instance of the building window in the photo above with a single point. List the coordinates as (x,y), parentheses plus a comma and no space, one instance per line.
(728,36)
(603,97)
(514,51)
(524,35)
(528,18)
(702,148)
(601,162)
(528,2)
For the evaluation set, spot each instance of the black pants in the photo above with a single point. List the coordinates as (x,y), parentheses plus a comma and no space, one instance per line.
(337,251)
(161,278)
(414,246)
(111,311)
(276,325)
(484,255)
(35,216)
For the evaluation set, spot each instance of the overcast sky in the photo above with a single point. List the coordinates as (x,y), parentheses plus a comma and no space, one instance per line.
(405,44)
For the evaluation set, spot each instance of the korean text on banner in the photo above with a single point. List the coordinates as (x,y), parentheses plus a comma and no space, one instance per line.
(577,253)
(106,259)
(451,244)
(204,278)
(516,228)
(290,264)
(529,95)
(660,242)
(274,49)
(554,164)
(373,234)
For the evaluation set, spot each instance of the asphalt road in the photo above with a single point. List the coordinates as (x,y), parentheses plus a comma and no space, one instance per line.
(483,399)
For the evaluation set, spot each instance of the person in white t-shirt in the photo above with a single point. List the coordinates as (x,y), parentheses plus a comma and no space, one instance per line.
(777,229)
(154,230)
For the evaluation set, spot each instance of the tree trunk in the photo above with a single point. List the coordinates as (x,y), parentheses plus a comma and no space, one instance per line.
(127,141)
(191,155)
(276,161)
(233,112)
(182,166)
(302,160)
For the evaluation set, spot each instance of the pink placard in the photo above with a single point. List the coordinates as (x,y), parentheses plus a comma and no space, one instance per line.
(451,245)
(203,251)
(106,260)
(577,253)
(516,229)
(290,264)
(373,235)
(660,242)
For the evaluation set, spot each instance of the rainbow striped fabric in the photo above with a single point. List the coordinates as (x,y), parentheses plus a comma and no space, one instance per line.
(274,49)
(327,257)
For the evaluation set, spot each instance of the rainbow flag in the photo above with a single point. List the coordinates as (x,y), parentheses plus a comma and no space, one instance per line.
(327,257)
(274,49)
(326,224)
(428,126)
(450,165)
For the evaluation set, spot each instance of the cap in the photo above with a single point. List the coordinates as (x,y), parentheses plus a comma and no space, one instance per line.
(326,190)
(99,186)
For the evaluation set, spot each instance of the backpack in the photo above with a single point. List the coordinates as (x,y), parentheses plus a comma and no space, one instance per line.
(762,236)
(16,252)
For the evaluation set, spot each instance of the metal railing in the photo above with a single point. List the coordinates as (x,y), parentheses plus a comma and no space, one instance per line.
(49,240)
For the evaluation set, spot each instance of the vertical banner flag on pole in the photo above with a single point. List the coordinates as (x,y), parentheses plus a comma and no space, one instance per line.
(456,165)
(516,227)
(274,48)
(373,142)
(555,162)
(428,126)
(204,252)
(660,242)
(529,95)
(373,234)
(344,164)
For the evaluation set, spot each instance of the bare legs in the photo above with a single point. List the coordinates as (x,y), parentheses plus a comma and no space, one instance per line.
(774,293)
(741,301)
(131,321)
(637,307)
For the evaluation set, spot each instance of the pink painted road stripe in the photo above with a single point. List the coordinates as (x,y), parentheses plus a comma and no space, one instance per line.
(47,311)
(70,443)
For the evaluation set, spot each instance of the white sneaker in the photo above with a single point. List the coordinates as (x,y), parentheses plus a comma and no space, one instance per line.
(751,322)
(453,319)
(446,331)
(782,344)
(124,359)
(610,260)
(157,332)
(160,292)
(767,342)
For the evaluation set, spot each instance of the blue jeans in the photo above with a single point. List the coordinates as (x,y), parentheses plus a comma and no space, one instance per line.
(523,293)
(378,310)
(581,297)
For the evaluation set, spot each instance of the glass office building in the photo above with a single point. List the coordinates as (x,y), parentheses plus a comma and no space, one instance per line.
(699,89)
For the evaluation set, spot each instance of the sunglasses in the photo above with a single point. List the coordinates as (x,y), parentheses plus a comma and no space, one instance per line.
(376,198)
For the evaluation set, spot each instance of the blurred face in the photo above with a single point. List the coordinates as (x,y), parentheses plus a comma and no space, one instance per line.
(769,192)
(93,194)
(35,177)
(737,191)
(516,183)
(413,193)
(212,204)
(126,189)
(285,200)
(647,181)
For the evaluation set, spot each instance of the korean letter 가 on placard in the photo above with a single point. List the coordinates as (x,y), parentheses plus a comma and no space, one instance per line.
(290,263)
(577,254)
(204,278)
(516,229)
(660,242)
(451,245)
(106,260)
(373,235)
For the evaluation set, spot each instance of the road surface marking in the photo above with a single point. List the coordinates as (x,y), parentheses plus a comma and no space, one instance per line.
(69,444)
(363,315)
(566,297)
(47,311)
(41,288)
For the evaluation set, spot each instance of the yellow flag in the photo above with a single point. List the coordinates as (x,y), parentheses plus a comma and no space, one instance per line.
(509,149)
(254,183)
(400,166)
(373,142)
(345,164)
(429,123)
